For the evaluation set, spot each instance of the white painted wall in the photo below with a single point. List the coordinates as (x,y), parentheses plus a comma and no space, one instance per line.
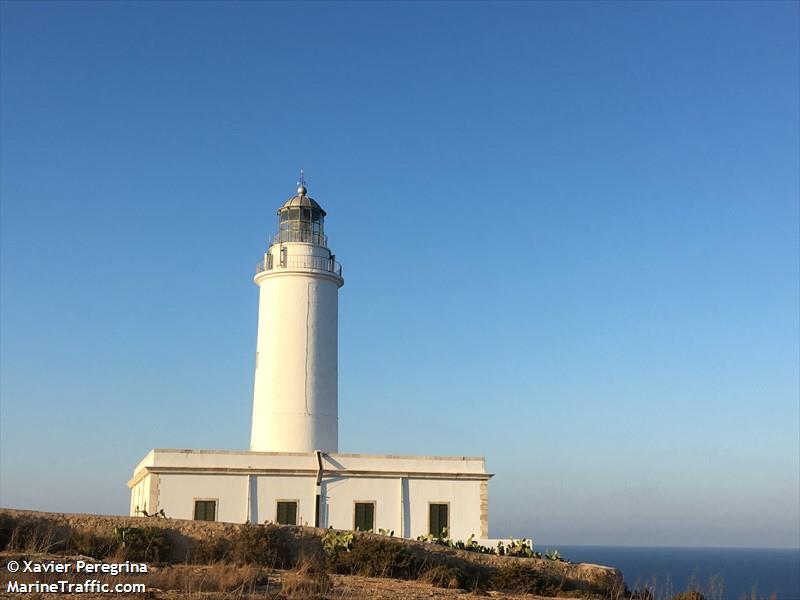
(247,485)
(139,497)
(295,396)
(177,493)
(463,498)
(340,495)
(274,488)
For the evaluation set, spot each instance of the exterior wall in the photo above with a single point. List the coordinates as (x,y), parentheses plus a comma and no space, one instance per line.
(177,494)
(271,489)
(340,494)
(295,396)
(463,498)
(248,485)
(484,509)
(140,496)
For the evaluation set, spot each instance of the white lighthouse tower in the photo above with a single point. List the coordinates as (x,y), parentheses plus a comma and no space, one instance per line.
(295,398)
(293,473)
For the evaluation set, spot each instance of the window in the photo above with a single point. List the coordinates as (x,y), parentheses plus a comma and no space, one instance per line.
(287,513)
(205,510)
(437,522)
(364,519)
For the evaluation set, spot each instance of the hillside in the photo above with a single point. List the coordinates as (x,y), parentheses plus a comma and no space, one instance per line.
(270,561)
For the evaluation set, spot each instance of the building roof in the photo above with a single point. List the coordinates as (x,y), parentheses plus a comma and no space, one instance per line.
(302,200)
(244,462)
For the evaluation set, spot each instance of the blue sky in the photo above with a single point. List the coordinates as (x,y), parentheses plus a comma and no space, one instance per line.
(569,234)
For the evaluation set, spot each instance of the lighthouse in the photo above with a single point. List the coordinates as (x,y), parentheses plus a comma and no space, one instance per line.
(293,472)
(295,395)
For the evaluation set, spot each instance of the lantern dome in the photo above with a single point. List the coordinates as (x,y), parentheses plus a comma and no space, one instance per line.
(301,219)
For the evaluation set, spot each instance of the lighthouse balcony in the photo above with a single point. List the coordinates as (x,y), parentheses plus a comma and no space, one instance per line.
(304,262)
(306,237)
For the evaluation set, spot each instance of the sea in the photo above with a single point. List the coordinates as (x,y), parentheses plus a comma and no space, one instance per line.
(720,573)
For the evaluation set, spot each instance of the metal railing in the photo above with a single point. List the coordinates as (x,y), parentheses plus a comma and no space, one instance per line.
(316,263)
(307,237)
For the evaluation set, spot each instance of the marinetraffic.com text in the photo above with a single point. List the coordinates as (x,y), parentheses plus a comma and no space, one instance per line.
(31,576)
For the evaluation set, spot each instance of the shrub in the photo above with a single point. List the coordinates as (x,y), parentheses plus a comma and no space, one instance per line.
(520,578)
(24,533)
(210,550)
(443,539)
(7,524)
(376,557)
(89,543)
(442,576)
(33,534)
(335,542)
(521,548)
(475,577)
(147,544)
(261,544)
(554,555)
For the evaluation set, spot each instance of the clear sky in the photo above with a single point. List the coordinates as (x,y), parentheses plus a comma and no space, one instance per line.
(569,234)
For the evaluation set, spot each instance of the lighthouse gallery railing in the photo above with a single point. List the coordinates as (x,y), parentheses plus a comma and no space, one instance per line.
(308,237)
(318,263)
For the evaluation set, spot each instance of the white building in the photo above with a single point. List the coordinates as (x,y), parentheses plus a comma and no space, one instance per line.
(293,472)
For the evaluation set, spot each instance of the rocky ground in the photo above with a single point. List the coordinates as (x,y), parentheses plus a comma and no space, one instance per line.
(203,582)
(219,560)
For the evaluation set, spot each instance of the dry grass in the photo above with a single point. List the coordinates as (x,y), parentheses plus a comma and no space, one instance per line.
(441,576)
(308,579)
(31,535)
(35,535)
(220,577)
(243,561)
(244,580)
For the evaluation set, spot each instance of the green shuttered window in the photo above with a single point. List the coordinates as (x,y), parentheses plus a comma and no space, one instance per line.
(287,513)
(365,516)
(205,510)
(438,519)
